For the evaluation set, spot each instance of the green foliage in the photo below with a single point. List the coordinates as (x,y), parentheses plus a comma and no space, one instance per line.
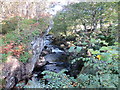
(32,24)
(106,75)
(75,49)
(21,31)
(4,57)
(100,68)
(93,14)
(36,32)
(28,21)
(98,81)
(25,23)
(9,25)
(64,81)
(24,57)
(59,24)
(10,36)
(35,84)
(55,80)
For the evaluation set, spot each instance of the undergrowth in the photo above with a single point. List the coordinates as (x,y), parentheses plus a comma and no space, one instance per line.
(18,31)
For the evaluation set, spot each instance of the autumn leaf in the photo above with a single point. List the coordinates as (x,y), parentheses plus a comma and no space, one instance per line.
(98,57)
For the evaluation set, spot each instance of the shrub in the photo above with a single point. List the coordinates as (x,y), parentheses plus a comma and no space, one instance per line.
(9,25)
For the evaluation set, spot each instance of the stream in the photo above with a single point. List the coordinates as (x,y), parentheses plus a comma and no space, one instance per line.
(54,57)
(49,56)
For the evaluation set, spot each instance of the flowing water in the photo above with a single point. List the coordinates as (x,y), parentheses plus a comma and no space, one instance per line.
(54,56)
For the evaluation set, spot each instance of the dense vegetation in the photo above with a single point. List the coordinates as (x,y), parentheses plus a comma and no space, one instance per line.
(17,33)
(90,32)
(78,24)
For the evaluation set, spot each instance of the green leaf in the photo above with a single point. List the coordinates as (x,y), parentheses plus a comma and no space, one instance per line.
(94,52)
(84,43)
(104,42)
(71,49)
(106,57)
(104,48)
(93,40)
(117,43)
(78,49)
(75,49)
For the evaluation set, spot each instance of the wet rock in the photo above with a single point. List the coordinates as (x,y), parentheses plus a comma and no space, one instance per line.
(56,67)
(47,42)
(49,36)
(41,62)
(53,49)
(53,67)
(55,46)
(57,50)
(48,47)
(57,57)
(45,52)
(48,39)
